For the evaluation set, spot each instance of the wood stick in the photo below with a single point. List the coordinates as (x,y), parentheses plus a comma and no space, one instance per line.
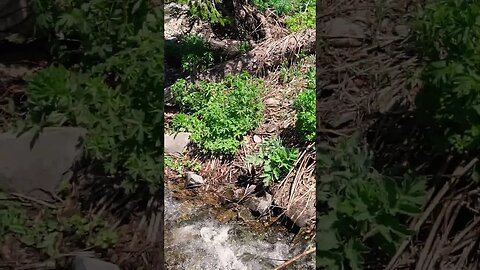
(296,258)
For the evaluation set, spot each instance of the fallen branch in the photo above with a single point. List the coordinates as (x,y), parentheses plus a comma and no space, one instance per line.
(457,174)
(296,258)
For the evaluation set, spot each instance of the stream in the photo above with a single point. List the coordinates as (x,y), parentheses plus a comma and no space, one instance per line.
(196,239)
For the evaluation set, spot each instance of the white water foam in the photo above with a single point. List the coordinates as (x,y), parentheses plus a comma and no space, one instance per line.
(206,244)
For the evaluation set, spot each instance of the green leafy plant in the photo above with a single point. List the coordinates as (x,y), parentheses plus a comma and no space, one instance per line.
(12,217)
(180,165)
(280,6)
(300,14)
(302,20)
(46,232)
(218,114)
(92,30)
(358,208)
(447,34)
(118,100)
(304,104)
(192,53)
(275,159)
(244,47)
(206,11)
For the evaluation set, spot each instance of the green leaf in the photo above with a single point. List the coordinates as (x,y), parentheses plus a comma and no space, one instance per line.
(353,253)
(327,240)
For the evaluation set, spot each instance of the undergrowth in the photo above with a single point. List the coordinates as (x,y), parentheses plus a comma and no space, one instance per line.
(205,10)
(50,232)
(304,105)
(90,31)
(276,160)
(302,20)
(358,208)
(447,34)
(219,114)
(299,14)
(180,166)
(192,53)
(117,92)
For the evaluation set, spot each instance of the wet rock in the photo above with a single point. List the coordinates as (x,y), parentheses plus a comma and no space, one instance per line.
(226,216)
(176,143)
(401,30)
(86,263)
(26,169)
(257,139)
(245,215)
(259,204)
(194,180)
(342,32)
(264,203)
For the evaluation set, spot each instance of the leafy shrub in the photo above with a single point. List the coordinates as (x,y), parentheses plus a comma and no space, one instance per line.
(119,97)
(282,7)
(43,233)
(244,47)
(447,36)
(275,158)
(300,14)
(120,132)
(306,111)
(98,29)
(218,114)
(192,53)
(12,217)
(180,166)
(302,20)
(205,10)
(358,208)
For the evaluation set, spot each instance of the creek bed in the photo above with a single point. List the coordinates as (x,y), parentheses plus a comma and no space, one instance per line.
(198,236)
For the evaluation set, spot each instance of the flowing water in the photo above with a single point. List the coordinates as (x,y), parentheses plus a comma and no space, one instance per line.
(194,239)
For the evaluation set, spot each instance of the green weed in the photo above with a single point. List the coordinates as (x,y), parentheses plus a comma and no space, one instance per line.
(358,208)
(219,114)
(300,14)
(447,34)
(181,166)
(12,217)
(282,7)
(118,99)
(206,11)
(306,112)
(302,20)
(275,159)
(193,53)
(244,47)
(48,233)
(91,30)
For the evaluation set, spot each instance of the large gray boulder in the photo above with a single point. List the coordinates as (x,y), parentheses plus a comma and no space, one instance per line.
(176,143)
(27,170)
